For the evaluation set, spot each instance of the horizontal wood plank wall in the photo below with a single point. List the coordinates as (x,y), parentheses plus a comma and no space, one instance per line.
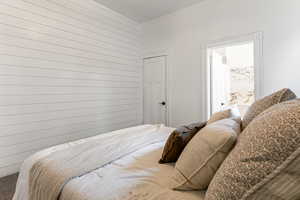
(69,69)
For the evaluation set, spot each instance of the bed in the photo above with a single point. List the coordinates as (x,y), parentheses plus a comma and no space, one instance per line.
(133,173)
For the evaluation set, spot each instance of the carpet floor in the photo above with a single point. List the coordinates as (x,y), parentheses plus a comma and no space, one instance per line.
(7,187)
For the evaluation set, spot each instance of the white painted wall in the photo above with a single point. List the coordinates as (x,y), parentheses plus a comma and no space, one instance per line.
(184,31)
(69,69)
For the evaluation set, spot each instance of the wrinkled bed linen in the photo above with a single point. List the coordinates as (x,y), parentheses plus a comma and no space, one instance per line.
(134,176)
(137,176)
(49,174)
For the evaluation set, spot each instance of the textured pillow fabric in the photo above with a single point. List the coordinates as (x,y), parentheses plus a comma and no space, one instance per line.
(265,162)
(261,105)
(232,111)
(204,154)
(178,140)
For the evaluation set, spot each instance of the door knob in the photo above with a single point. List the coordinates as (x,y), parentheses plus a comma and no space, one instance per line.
(163,103)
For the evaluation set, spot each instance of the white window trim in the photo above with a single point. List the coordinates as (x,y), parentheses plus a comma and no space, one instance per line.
(257,38)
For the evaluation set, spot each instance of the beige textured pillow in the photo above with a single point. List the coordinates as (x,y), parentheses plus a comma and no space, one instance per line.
(261,105)
(204,154)
(265,162)
(224,114)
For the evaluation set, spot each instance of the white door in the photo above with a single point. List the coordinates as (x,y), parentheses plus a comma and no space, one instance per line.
(155,90)
(220,82)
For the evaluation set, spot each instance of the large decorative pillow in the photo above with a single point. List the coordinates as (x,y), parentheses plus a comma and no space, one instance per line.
(204,154)
(261,105)
(265,162)
(224,114)
(178,140)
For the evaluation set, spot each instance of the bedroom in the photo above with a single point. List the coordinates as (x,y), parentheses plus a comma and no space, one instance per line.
(73,69)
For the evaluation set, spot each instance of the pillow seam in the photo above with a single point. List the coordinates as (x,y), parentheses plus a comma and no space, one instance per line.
(201,167)
(272,175)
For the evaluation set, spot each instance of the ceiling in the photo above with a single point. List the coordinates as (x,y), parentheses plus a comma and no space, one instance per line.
(144,10)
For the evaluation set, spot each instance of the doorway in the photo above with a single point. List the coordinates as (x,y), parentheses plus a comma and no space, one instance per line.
(155,98)
(233,74)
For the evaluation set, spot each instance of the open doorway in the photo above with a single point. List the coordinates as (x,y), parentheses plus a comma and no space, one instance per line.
(233,68)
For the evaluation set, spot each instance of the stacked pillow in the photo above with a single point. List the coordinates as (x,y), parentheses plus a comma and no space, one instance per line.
(177,141)
(261,105)
(203,146)
(265,162)
(228,113)
(204,154)
(180,137)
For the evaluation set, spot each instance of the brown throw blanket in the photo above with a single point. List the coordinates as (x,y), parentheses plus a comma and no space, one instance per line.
(48,175)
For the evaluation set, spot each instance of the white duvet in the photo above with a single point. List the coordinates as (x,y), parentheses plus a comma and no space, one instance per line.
(134,176)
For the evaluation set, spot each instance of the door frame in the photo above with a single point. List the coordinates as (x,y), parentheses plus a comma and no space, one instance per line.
(157,55)
(257,39)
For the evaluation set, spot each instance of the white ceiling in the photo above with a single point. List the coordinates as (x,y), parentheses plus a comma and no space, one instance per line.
(144,10)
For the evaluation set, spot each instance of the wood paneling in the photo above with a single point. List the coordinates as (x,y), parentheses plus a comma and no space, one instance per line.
(69,69)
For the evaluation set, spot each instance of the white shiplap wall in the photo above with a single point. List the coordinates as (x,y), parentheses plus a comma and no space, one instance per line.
(69,69)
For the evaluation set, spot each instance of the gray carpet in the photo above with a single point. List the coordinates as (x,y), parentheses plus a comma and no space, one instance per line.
(7,187)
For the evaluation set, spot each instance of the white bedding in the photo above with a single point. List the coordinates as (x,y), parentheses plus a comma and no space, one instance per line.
(135,176)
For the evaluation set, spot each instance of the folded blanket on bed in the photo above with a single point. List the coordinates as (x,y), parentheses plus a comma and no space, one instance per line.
(48,175)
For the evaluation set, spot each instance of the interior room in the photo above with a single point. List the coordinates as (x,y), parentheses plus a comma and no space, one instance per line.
(149,100)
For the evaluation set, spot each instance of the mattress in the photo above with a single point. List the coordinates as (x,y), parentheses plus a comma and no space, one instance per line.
(137,176)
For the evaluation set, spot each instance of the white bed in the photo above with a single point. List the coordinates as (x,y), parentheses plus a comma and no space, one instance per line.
(136,176)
